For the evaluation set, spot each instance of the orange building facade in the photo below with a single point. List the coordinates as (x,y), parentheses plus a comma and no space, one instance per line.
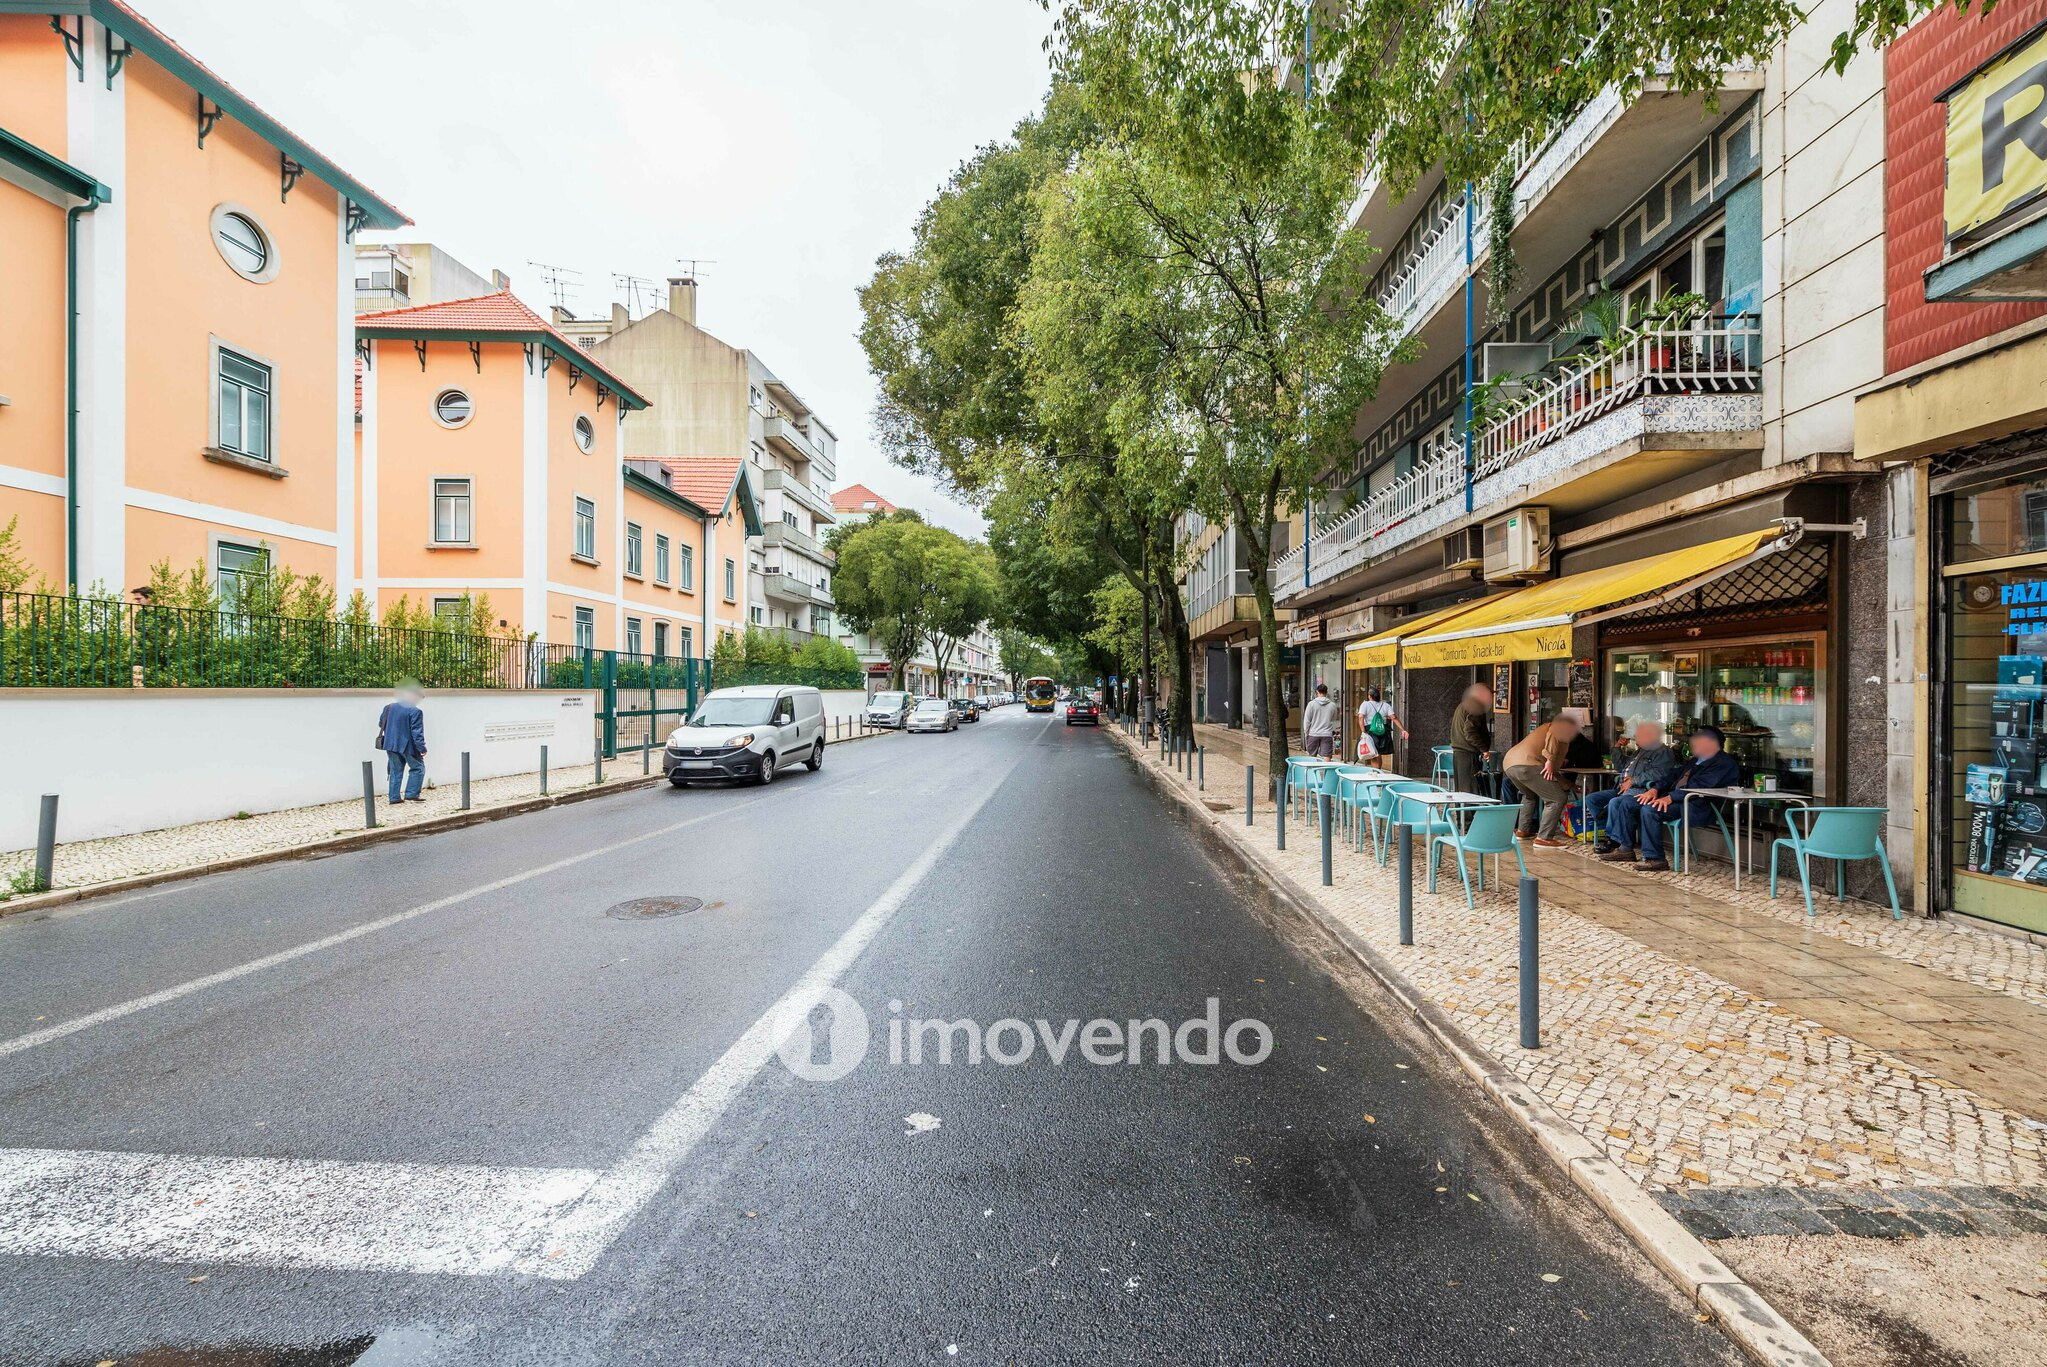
(201,408)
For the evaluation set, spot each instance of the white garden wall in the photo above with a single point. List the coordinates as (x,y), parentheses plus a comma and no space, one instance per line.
(124,761)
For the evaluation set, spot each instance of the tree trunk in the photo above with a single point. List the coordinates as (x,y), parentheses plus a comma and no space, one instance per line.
(1175,614)
(1275,690)
(1144,674)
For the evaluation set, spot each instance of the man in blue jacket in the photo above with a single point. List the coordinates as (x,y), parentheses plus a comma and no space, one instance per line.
(401,735)
(1651,767)
(1644,818)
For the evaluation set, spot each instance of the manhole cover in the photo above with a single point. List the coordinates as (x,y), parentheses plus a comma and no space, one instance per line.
(654,908)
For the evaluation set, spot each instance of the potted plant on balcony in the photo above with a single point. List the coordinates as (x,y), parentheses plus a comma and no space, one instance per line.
(1667,318)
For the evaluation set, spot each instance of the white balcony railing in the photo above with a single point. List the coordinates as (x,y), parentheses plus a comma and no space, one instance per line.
(1671,356)
(1440,254)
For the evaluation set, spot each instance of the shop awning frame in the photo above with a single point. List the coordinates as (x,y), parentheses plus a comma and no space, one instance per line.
(1383,648)
(1700,565)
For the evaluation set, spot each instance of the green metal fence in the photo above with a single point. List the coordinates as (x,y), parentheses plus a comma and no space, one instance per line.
(50,641)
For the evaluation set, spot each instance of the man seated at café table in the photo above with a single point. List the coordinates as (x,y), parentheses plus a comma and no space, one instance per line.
(1643,819)
(1650,769)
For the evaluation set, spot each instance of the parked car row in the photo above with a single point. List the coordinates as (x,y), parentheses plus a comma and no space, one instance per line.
(895,708)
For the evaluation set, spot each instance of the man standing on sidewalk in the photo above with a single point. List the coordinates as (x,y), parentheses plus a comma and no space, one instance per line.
(1318,725)
(1471,736)
(401,735)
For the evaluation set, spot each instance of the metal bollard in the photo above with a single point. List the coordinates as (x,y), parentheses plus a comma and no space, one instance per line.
(543,771)
(1406,886)
(465,780)
(369,797)
(1282,825)
(647,750)
(1250,788)
(598,747)
(46,844)
(1328,868)
(1201,768)
(1531,953)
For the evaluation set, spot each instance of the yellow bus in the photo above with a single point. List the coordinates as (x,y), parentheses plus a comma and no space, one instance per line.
(1038,694)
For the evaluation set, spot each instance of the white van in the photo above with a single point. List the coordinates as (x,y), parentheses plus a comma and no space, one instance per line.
(752,732)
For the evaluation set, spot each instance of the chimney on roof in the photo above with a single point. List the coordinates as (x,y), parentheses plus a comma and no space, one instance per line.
(500,282)
(682,297)
(619,317)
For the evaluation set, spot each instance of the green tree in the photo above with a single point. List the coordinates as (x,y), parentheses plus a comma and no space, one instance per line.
(1221,308)
(1413,84)
(904,582)
(962,598)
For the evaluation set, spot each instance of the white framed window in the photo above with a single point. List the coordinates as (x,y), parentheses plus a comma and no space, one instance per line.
(754,615)
(244,243)
(688,642)
(586,629)
(632,635)
(454,523)
(243,416)
(660,558)
(233,561)
(686,567)
(634,550)
(586,432)
(586,529)
(661,640)
(453,611)
(731,580)
(453,407)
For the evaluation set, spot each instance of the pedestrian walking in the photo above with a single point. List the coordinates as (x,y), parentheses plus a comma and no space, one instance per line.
(1376,724)
(1471,736)
(1318,724)
(401,735)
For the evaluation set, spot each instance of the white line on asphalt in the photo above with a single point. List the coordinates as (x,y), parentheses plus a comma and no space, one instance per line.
(402,1217)
(285,956)
(573,1245)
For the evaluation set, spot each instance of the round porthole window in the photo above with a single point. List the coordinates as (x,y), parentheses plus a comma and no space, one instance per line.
(241,241)
(586,434)
(452,407)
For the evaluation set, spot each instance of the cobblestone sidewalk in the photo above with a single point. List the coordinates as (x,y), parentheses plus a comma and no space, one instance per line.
(1686,1079)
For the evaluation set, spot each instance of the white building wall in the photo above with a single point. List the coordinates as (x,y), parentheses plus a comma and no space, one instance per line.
(1823,253)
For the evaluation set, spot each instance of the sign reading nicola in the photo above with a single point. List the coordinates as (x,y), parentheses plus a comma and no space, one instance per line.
(1997,138)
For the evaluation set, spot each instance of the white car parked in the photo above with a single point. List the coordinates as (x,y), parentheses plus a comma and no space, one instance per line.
(748,732)
(888,709)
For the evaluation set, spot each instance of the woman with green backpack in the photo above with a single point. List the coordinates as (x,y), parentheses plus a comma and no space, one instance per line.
(1376,725)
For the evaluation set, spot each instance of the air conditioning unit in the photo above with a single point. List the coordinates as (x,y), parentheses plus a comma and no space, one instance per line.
(1517,545)
(1464,549)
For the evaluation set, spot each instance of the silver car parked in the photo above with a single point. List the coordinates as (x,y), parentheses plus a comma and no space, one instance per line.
(934,714)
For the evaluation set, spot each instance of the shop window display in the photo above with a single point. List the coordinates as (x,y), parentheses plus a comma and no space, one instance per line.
(1997,661)
(1765,696)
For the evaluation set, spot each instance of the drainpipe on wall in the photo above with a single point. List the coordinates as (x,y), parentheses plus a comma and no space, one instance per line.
(71,216)
(1469,255)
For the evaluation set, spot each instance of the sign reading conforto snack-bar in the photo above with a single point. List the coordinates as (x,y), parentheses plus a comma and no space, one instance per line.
(1997,139)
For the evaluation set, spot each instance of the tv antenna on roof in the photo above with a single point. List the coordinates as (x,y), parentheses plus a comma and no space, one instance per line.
(633,285)
(693,266)
(561,282)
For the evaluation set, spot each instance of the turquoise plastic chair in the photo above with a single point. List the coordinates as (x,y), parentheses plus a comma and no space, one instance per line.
(1421,820)
(1490,831)
(1292,781)
(1348,788)
(1443,770)
(1379,811)
(1840,834)
(1316,784)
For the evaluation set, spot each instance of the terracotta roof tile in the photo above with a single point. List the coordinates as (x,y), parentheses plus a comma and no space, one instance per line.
(854,498)
(707,481)
(502,312)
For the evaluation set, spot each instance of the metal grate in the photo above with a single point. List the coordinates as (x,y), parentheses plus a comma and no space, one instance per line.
(2031,443)
(1791,581)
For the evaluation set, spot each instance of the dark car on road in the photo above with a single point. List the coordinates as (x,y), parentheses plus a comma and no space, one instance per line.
(966,709)
(1082,708)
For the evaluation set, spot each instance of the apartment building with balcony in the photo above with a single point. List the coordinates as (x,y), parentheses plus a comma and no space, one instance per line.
(712,399)
(175,378)
(1222,621)
(1699,298)
(396,275)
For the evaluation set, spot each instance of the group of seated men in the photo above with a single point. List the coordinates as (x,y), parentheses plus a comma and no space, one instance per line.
(1650,795)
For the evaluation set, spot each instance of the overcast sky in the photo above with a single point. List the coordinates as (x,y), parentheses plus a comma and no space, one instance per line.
(788,141)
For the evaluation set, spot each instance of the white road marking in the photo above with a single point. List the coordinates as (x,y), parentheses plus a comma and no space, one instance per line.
(285,956)
(418,1218)
(388,1217)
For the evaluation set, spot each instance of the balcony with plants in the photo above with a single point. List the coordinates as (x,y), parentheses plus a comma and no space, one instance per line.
(1647,394)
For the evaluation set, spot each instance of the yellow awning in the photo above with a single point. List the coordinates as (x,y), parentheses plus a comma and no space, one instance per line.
(1384,649)
(1535,623)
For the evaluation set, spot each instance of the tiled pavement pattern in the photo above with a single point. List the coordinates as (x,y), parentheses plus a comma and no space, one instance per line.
(126,856)
(1888,1213)
(1703,1043)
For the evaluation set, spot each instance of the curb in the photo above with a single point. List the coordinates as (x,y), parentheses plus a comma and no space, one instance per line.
(337,844)
(1740,1311)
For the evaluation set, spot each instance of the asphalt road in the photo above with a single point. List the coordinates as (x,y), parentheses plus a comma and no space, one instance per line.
(443,1101)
